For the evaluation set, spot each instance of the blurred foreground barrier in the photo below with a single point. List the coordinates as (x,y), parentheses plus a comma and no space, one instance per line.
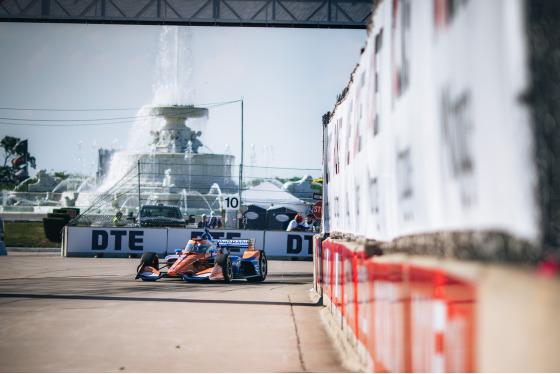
(441,172)
(405,313)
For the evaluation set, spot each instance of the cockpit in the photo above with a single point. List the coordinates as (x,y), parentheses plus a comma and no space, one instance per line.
(197,247)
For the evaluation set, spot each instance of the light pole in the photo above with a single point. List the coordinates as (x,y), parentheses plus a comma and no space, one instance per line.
(241,161)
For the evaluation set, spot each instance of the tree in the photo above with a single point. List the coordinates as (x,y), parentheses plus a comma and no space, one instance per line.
(16,160)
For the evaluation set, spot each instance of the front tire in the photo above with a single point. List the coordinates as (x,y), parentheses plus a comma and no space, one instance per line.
(263,269)
(227,266)
(228,271)
(148,259)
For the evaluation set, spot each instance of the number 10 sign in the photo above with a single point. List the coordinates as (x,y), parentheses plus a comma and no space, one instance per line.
(230,202)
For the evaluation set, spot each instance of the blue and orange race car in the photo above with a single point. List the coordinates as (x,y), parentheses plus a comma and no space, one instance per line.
(207,259)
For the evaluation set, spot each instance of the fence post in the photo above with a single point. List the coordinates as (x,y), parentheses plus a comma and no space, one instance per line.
(241,163)
(139,198)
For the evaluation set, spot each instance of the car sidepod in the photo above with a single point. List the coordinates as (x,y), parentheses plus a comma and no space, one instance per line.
(252,266)
(202,275)
(213,273)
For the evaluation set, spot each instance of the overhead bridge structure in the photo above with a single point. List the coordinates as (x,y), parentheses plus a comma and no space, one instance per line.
(352,14)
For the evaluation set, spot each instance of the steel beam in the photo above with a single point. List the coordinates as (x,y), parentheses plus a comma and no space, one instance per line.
(262,13)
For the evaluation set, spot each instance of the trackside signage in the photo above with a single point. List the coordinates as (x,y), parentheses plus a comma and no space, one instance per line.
(292,244)
(432,135)
(88,241)
(85,240)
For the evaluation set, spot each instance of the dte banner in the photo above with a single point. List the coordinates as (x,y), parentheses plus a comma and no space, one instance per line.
(293,244)
(106,240)
(89,241)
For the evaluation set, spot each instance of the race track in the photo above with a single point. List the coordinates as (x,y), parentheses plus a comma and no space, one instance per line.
(90,315)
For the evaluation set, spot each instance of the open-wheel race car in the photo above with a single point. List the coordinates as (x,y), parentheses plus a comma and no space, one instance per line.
(207,259)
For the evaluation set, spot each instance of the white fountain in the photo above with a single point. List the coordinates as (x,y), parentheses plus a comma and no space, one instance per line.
(175,165)
(165,141)
(164,144)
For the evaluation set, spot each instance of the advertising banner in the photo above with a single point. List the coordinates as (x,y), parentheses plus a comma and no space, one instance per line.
(88,241)
(290,244)
(431,134)
(108,240)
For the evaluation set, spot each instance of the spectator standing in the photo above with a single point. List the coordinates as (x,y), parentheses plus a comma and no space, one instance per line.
(295,224)
(309,223)
(117,221)
(215,221)
(204,223)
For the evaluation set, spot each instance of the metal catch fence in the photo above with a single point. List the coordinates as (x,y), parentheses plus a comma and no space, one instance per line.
(196,189)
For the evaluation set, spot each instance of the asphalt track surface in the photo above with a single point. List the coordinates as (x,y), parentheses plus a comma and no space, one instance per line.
(90,315)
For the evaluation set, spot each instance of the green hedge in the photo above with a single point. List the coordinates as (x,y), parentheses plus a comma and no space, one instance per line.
(27,235)
(53,227)
(54,223)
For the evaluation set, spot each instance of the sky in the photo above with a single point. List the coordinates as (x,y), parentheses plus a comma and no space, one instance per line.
(71,89)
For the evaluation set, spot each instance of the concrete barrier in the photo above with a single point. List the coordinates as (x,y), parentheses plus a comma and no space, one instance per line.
(404,313)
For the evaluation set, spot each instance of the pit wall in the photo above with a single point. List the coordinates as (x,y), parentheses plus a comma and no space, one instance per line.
(407,313)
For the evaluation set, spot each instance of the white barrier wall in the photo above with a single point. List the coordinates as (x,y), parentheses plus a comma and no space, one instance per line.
(109,241)
(432,134)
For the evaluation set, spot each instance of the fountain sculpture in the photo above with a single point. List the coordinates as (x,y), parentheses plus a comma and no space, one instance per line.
(172,170)
(165,146)
(175,172)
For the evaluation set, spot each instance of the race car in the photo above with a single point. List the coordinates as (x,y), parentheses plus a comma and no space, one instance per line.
(207,259)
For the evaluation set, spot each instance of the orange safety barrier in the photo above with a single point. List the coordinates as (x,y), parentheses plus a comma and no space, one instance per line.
(388,317)
(326,275)
(317,264)
(442,322)
(349,288)
(405,317)
(364,297)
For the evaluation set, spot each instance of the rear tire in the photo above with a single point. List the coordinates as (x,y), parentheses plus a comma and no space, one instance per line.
(148,259)
(227,266)
(228,275)
(263,269)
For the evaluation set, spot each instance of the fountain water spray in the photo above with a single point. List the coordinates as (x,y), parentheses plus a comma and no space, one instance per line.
(165,141)
(166,136)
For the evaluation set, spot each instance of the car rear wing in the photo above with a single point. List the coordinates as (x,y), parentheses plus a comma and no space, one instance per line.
(247,244)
